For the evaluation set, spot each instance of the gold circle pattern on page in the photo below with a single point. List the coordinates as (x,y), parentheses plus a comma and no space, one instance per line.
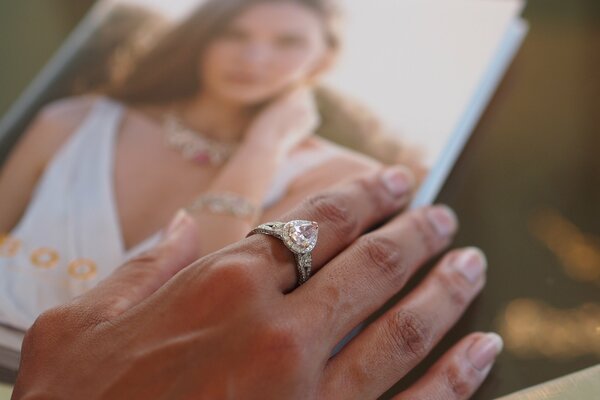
(82,269)
(9,246)
(44,258)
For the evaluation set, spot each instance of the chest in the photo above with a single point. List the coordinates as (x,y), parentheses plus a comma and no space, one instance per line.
(152,180)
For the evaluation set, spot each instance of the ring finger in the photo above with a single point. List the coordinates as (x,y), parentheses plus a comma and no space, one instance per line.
(343,214)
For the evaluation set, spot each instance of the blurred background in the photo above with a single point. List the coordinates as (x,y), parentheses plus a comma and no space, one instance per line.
(527,187)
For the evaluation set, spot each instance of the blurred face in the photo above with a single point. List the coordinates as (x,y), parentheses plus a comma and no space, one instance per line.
(265,50)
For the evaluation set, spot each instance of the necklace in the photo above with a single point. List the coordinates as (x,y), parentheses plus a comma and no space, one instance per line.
(194,146)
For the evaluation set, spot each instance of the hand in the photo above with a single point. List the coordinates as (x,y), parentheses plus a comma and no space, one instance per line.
(231,325)
(286,121)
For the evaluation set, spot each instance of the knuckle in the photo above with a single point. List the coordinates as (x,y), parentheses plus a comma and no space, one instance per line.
(409,334)
(50,318)
(279,336)
(454,288)
(148,256)
(381,253)
(361,374)
(149,259)
(234,276)
(281,341)
(334,210)
(459,383)
(42,329)
(139,269)
(426,232)
(379,200)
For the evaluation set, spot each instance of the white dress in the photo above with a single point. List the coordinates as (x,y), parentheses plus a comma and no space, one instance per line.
(69,237)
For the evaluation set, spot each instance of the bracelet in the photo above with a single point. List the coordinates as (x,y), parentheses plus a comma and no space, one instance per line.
(224,204)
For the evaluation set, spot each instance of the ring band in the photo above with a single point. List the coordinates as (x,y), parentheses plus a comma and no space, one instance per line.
(300,237)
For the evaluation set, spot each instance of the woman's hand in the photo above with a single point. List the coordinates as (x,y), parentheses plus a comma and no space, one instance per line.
(231,325)
(286,121)
(252,169)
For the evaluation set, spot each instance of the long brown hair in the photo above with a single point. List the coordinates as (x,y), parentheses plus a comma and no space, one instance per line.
(169,71)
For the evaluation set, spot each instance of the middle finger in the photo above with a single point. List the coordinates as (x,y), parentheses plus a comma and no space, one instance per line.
(374,268)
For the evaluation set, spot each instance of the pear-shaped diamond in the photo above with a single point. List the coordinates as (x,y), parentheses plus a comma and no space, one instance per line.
(302,235)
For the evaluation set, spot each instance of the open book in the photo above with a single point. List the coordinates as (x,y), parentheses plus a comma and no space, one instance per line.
(427,67)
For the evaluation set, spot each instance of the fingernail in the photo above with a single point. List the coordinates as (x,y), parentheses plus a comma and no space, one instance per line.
(484,351)
(471,263)
(398,180)
(176,223)
(443,219)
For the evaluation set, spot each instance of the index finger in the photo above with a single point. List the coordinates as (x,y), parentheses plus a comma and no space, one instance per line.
(141,276)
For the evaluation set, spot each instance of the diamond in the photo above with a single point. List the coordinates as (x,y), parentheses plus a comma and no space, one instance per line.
(301,235)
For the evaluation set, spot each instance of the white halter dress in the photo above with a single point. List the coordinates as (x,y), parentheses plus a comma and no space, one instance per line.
(69,237)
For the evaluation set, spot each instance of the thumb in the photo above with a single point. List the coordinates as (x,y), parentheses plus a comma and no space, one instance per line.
(143,275)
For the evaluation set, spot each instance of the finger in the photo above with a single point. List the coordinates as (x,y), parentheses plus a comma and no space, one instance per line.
(399,340)
(373,269)
(143,275)
(460,372)
(343,214)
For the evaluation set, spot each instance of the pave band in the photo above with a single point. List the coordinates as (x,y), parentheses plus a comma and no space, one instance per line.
(300,237)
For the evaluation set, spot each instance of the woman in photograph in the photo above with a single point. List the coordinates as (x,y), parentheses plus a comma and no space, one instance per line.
(218,118)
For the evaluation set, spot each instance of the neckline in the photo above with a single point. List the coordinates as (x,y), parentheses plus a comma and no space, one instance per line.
(118,110)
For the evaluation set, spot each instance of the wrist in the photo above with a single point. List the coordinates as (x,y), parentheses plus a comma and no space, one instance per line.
(226,204)
(261,136)
(266,145)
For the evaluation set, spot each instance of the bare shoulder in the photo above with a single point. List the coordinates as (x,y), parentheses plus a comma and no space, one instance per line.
(36,147)
(54,124)
(65,114)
